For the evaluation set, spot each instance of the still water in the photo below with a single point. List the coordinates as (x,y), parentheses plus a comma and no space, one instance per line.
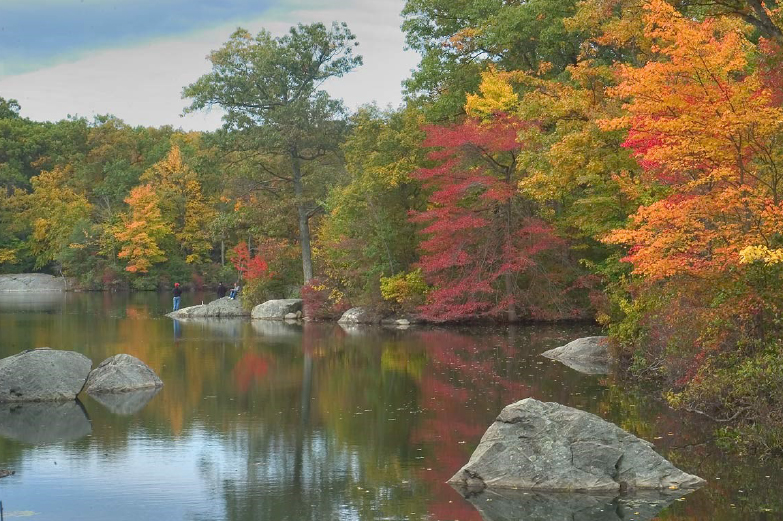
(270,421)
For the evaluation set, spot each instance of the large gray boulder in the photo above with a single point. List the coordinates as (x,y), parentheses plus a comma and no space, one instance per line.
(43,375)
(359,316)
(276,309)
(508,505)
(120,374)
(221,308)
(41,423)
(589,355)
(32,282)
(534,445)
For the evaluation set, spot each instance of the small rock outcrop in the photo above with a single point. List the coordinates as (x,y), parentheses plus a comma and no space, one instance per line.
(277,309)
(120,374)
(221,308)
(4,473)
(589,355)
(41,423)
(359,316)
(43,375)
(32,282)
(542,446)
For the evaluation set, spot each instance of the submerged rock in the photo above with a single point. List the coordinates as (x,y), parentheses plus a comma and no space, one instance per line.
(41,423)
(589,355)
(541,446)
(508,505)
(43,375)
(31,282)
(5,473)
(277,309)
(126,404)
(121,373)
(221,308)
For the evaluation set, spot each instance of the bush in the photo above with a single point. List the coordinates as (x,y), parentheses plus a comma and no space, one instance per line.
(322,301)
(406,291)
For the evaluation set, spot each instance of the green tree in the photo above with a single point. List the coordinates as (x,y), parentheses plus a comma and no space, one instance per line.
(460,39)
(367,233)
(270,90)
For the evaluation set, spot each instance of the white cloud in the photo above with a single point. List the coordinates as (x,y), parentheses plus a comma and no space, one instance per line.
(142,84)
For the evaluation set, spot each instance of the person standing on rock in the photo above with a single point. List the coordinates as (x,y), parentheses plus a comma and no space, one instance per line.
(177,295)
(221,291)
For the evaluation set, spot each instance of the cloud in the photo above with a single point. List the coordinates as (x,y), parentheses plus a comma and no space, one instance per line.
(37,33)
(142,84)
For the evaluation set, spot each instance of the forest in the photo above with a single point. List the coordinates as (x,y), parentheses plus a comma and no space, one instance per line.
(609,160)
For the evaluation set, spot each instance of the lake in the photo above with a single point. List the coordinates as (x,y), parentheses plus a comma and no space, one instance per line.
(273,421)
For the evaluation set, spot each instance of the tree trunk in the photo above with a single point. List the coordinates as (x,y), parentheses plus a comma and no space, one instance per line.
(304,224)
(508,276)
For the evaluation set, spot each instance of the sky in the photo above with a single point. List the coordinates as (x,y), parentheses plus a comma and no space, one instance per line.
(131,58)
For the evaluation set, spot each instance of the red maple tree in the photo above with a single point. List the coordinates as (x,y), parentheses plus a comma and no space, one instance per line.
(484,245)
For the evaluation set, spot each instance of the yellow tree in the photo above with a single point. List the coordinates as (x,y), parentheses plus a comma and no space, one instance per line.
(142,231)
(182,204)
(52,208)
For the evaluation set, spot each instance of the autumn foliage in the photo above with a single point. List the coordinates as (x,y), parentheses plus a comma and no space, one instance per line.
(142,231)
(484,245)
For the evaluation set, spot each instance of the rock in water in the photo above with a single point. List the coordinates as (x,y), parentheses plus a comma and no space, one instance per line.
(359,316)
(32,282)
(535,445)
(43,375)
(276,309)
(221,308)
(589,355)
(120,374)
(5,473)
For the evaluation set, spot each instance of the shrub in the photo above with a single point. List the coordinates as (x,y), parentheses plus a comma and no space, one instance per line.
(322,301)
(406,291)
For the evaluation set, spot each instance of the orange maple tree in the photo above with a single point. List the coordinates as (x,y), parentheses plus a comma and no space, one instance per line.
(704,124)
(141,231)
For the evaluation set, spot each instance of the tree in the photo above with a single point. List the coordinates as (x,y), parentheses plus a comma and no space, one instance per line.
(52,210)
(703,126)
(142,231)
(366,233)
(459,40)
(270,90)
(484,248)
(765,16)
(182,204)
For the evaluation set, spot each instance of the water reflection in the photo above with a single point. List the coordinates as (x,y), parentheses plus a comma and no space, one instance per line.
(43,423)
(127,403)
(277,328)
(513,505)
(224,327)
(44,301)
(275,421)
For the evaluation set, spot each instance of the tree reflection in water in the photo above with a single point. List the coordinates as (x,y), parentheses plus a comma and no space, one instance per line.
(301,422)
